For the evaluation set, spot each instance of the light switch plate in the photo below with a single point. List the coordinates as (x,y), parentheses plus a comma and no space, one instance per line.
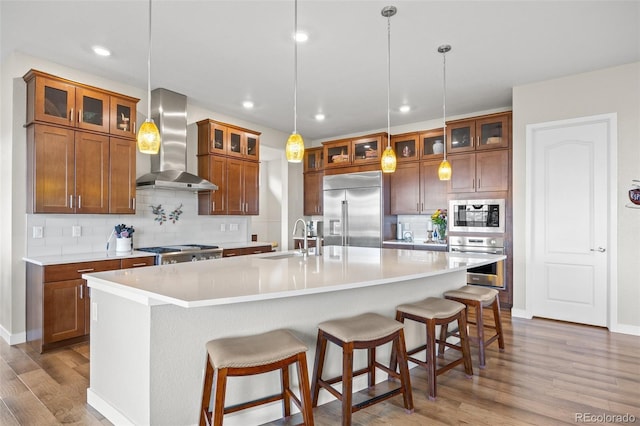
(76,231)
(233,227)
(222,227)
(38,231)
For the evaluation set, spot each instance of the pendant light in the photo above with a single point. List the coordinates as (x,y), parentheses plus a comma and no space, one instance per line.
(148,135)
(388,160)
(295,143)
(444,170)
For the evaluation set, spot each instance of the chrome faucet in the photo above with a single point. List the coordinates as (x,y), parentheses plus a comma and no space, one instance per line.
(305,249)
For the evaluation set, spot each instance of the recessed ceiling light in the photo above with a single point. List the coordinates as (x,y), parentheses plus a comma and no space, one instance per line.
(319,116)
(247,104)
(301,37)
(101,51)
(405,108)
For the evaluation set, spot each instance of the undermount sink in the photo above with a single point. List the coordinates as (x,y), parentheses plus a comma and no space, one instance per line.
(282,256)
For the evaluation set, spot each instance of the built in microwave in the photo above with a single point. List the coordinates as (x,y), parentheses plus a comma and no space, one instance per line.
(471,216)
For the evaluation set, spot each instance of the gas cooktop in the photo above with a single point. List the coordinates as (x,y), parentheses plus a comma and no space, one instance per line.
(177,248)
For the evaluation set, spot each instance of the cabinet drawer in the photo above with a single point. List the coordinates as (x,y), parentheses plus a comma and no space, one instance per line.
(242,251)
(137,262)
(72,271)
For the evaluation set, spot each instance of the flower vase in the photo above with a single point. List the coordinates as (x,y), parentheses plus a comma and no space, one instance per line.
(442,232)
(123,244)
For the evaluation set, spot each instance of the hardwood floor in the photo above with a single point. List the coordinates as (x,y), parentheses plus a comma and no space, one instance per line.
(550,373)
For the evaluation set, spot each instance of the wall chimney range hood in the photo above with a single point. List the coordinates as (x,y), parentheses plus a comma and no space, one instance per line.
(168,167)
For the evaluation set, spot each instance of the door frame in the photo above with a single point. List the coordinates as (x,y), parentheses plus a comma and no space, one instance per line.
(612,230)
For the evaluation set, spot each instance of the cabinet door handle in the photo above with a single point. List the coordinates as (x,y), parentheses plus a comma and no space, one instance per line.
(70,201)
(71,115)
(230,254)
(133,129)
(80,271)
(135,265)
(79,201)
(82,291)
(418,207)
(134,203)
(79,116)
(213,206)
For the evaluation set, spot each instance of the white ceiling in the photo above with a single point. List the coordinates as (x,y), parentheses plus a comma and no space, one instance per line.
(220,53)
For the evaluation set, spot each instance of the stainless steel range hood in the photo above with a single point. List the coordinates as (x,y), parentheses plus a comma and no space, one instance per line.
(168,167)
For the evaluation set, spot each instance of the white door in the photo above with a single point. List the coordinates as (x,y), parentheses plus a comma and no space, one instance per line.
(568,204)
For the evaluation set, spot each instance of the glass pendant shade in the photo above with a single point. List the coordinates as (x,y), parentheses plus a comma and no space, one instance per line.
(148,138)
(295,148)
(388,161)
(444,170)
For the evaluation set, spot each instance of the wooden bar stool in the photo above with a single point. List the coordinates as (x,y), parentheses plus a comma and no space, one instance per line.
(431,312)
(366,331)
(479,297)
(249,355)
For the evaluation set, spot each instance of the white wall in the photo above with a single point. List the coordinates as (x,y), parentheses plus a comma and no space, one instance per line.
(16,227)
(609,90)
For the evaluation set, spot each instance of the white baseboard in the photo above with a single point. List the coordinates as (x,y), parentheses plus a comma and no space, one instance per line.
(12,339)
(520,313)
(633,330)
(106,409)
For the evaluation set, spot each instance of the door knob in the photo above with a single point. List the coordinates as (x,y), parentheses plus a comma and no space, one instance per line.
(600,249)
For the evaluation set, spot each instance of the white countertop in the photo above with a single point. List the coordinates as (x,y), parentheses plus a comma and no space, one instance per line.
(84,257)
(416,242)
(274,275)
(109,255)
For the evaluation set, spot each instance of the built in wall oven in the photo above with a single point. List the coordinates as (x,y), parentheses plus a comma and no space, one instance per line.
(492,275)
(473,216)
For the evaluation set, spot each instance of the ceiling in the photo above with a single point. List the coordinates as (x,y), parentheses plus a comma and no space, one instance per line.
(220,53)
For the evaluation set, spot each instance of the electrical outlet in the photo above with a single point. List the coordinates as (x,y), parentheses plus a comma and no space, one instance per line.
(223,227)
(233,227)
(38,231)
(76,231)
(94,311)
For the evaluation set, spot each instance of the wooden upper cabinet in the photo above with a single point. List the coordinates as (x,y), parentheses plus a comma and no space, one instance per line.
(122,117)
(313,159)
(50,100)
(432,144)
(492,170)
(224,139)
(50,169)
(463,173)
(485,132)
(55,100)
(349,152)
(404,186)
(92,173)
(214,169)
(122,170)
(406,147)
(92,110)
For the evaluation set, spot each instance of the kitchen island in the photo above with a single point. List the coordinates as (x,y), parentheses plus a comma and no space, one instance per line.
(149,325)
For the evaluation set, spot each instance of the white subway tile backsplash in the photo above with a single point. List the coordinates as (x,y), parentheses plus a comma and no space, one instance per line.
(189,228)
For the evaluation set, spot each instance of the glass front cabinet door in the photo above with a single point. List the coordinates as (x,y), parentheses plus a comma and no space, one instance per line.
(54,101)
(122,119)
(367,149)
(93,110)
(461,136)
(406,147)
(493,132)
(432,143)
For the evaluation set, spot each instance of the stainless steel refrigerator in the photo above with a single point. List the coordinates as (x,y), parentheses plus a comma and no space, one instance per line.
(353,209)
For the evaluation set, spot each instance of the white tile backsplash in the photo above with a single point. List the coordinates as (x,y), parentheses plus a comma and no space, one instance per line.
(189,228)
(415,223)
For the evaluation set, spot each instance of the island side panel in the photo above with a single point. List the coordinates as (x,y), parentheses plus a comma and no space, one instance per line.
(178,337)
(120,353)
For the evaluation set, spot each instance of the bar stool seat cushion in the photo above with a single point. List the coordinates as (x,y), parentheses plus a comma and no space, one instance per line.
(432,308)
(472,292)
(255,350)
(361,328)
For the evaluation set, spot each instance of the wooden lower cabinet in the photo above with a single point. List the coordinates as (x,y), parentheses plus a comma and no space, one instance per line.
(59,302)
(64,306)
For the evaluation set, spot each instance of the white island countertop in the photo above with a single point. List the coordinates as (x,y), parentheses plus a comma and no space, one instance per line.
(278,274)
